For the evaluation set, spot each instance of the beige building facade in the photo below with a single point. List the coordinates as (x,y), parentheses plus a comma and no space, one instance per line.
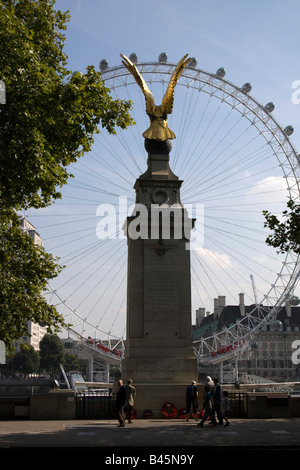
(35,331)
(271,353)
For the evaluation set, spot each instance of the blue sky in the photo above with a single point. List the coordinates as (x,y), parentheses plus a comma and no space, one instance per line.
(256,42)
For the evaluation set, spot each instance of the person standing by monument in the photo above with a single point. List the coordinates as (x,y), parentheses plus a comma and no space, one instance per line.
(120,403)
(192,400)
(130,395)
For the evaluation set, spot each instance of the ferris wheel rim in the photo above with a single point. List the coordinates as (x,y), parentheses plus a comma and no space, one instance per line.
(246,105)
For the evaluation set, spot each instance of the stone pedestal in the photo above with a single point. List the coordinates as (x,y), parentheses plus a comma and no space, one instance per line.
(158,353)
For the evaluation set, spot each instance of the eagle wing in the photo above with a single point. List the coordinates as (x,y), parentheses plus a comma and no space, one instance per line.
(168,99)
(150,103)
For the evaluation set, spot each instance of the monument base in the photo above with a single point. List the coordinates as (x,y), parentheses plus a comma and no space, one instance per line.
(151,398)
(159,380)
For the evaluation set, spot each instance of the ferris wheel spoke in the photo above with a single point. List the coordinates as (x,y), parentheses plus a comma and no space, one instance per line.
(183,135)
(189,153)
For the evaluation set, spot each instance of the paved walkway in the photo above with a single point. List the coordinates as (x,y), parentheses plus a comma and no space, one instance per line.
(149,437)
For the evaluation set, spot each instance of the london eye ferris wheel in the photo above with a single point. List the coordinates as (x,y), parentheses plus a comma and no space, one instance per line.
(235,161)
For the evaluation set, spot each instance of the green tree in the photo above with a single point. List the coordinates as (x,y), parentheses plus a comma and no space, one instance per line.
(24,271)
(51,354)
(26,361)
(48,121)
(286,233)
(72,362)
(51,114)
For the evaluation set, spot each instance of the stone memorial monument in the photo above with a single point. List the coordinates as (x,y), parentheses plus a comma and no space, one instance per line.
(158,352)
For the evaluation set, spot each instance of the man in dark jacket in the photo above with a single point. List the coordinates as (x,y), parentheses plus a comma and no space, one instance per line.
(120,403)
(217,400)
(191,400)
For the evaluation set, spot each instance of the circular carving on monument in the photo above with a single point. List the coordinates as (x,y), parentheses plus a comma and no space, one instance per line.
(163,147)
(159,196)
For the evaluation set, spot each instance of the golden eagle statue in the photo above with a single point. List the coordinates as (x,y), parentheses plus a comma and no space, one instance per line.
(158,129)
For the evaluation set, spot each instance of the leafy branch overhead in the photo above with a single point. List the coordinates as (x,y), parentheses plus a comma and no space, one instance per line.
(48,121)
(51,114)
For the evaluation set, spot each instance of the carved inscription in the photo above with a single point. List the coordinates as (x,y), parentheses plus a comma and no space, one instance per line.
(161,290)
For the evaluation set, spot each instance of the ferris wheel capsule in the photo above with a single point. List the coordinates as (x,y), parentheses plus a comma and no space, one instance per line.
(162,58)
(103,65)
(247,87)
(294,300)
(270,107)
(133,57)
(75,73)
(192,62)
(275,325)
(289,130)
(221,72)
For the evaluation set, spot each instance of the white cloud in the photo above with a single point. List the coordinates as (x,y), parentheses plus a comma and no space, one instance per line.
(269,190)
(214,259)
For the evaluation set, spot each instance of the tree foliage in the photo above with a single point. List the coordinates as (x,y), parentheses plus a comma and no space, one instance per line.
(25,269)
(72,362)
(286,233)
(26,361)
(51,114)
(51,354)
(47,123)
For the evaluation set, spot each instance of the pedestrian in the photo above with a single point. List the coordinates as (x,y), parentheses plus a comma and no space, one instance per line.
(209,382)
(120,403)
(217,400)
(130,396)
(225,407)
(192,400)
(207,408)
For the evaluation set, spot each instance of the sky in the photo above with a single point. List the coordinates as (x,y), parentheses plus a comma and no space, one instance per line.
(256,42)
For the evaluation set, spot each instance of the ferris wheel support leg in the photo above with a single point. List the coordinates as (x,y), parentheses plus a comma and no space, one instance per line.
(107,372)
(91,369)
(236,369)
(221,372)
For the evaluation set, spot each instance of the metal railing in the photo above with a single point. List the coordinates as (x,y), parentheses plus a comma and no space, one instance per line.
(238,404)
(96,404)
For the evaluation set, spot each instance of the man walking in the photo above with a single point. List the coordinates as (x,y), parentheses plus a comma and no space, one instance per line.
(120,403)
(130,395)
(207,408)
(217,400)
